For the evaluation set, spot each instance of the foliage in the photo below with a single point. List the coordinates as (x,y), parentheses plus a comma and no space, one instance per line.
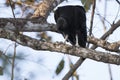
(60,66)
(87,4)
(1,70)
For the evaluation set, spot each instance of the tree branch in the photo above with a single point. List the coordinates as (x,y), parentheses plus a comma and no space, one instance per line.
(114,26)
(45,7)
(73,69)
(35,25)
(104,44)
(118,2)
(60,47)
(92,17)
(26,25)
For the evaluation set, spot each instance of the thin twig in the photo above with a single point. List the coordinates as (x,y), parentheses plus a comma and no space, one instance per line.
(13,60)
(109,67)
(92,18)
(12,8)
(4,53)
(117,13)
(102,17)
(110,31)
(73,69)
(110,72)
(118,2)
(105,10)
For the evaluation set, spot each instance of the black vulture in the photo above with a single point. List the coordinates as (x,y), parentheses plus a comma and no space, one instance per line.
(71,22)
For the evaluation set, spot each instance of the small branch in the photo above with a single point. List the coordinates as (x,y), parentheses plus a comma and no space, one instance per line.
(118,2)
(11,8)
(110,72)
(92,18)
(110,31)
(73,69)
(105,11)
(104,44)
(13,60)
(60,47)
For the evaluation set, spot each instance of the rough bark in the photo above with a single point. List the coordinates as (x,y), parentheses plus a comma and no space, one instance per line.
(36,25)
(60,47)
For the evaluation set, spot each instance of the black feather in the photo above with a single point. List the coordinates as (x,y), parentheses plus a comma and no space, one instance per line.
(71,21)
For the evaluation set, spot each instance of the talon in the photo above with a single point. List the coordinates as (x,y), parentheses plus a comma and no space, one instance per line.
(66,37)
(77,44)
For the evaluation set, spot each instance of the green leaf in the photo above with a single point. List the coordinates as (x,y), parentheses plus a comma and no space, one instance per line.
(60,67)
(1,70)
(87,4)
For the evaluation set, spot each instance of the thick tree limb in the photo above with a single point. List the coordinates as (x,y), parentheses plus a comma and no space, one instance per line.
(35,25)
(26,25)
(60,47)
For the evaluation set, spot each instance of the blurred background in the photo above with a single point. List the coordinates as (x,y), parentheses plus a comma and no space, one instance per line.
(45,65)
